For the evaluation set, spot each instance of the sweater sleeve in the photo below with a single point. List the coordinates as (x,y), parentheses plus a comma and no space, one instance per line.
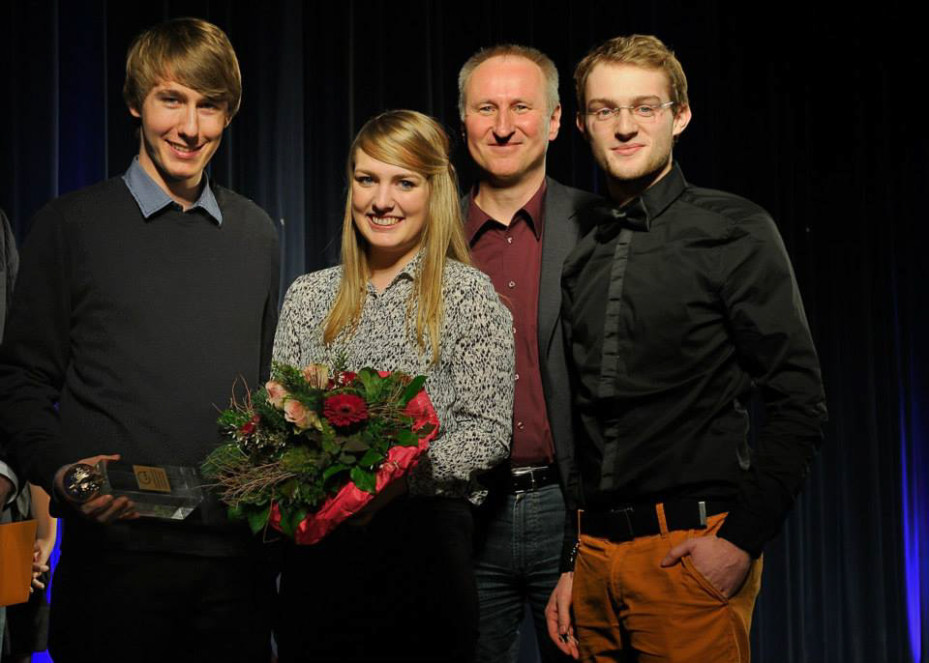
(482,368)
(36,352)
(301,314)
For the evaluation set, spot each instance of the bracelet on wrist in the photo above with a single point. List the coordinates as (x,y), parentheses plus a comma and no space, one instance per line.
(572,558)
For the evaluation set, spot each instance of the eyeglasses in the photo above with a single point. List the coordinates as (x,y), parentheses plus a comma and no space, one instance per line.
(641,111)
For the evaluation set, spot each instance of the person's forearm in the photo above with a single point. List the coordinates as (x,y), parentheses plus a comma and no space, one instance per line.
(47,526)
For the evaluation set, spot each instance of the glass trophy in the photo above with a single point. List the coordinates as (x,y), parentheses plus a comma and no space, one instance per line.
(167,492)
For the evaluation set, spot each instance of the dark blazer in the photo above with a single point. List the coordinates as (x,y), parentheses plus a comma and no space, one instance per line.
(9,264)
(563,226)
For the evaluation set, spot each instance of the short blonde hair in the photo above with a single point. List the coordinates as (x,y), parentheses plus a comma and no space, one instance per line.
(189,51)
(415,141)
(645,51)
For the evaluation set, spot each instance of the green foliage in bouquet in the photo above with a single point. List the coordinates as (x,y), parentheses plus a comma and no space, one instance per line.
(306,434)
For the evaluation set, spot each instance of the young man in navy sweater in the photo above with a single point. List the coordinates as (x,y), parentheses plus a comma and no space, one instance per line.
(140,301)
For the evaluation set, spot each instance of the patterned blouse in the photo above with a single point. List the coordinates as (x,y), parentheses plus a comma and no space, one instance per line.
(471,386)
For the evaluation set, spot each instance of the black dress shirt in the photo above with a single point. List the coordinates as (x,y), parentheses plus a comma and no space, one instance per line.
(676,307)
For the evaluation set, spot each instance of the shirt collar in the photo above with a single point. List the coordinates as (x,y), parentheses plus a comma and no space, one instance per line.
(532,212)
(408,272)
(639,213)
(151,198)
(412,267)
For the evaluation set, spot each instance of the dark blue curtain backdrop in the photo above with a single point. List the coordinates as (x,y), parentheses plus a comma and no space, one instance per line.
(810,112)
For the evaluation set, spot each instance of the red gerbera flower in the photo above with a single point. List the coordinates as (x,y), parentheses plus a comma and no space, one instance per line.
(345,409)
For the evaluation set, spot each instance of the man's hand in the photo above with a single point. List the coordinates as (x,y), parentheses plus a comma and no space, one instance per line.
(558,616)
(103,509)
(722,563)
(6,488)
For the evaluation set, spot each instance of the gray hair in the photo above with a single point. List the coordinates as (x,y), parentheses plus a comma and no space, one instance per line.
(549,71)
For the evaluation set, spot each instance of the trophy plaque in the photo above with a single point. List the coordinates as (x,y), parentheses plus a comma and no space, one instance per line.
(167,492)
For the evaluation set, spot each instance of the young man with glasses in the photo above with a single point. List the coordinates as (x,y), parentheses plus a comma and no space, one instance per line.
(677,307)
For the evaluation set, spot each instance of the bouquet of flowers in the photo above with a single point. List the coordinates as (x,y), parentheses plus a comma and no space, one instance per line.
(313,446)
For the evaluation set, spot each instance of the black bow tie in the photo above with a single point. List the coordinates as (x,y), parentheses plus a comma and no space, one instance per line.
(610,219)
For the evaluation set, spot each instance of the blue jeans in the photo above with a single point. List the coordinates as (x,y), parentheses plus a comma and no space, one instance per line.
(517,558)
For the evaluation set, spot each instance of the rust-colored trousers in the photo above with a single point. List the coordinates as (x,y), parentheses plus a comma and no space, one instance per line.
(628,608)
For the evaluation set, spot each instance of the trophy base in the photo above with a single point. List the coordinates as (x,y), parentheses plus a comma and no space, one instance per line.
(162,511)
(166,492)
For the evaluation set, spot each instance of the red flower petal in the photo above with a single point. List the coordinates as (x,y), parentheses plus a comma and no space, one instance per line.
(345,409)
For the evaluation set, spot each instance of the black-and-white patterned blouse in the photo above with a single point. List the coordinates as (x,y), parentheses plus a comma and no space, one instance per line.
(471,386)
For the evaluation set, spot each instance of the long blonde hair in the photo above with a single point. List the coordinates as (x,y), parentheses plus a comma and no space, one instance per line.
(407,139)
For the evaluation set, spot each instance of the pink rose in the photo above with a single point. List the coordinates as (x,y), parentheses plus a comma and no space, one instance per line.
(300,416)
(276,393)
(296,413)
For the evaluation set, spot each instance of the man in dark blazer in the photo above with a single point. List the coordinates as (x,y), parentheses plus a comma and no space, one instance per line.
(9,265)
(521,226)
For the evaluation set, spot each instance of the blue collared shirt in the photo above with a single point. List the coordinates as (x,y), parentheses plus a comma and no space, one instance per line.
(151,198)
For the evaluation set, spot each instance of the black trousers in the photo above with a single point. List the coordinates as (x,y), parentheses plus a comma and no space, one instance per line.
(401,589)
(144,606)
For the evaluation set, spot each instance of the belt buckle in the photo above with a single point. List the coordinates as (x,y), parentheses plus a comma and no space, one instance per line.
(533,485)
(531,473)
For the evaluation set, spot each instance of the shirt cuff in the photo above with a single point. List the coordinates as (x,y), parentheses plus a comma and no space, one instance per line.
(742,530)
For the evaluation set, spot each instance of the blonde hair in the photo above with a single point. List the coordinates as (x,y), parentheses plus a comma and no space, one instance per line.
(645,51)
(189,51)
(415,141)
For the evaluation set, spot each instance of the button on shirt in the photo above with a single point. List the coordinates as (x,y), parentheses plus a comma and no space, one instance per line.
(675,307)
(512,257)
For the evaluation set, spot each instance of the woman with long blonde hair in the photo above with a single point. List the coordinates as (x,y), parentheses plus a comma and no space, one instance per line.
(396,584)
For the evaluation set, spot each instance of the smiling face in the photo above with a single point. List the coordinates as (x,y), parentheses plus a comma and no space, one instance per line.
(389,207)
(633,152)
(181,130)
(507,121)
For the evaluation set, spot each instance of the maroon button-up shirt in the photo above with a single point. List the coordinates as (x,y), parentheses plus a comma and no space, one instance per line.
(512,257)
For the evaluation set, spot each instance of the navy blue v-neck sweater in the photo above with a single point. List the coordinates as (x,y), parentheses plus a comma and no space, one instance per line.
(127,334)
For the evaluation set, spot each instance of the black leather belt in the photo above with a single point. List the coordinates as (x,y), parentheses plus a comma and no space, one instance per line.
(627,523)
(527,479)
